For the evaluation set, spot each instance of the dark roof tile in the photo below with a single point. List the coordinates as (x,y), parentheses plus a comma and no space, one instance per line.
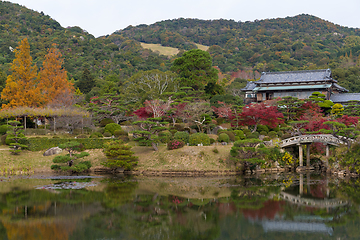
(295,76)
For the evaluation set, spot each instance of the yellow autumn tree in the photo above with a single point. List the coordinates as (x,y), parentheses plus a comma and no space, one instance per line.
(21,87)
(53,82)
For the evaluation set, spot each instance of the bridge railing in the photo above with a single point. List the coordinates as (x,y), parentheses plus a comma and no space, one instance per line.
(323,138)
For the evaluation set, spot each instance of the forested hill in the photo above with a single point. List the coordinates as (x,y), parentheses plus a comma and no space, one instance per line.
(80,49)
(268,45)
(292,43)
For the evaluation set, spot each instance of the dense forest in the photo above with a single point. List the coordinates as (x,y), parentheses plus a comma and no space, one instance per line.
(238,49)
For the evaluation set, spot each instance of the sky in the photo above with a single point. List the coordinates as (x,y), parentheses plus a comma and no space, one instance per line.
(103,17)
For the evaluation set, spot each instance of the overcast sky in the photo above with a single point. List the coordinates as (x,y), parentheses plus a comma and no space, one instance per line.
(103,17)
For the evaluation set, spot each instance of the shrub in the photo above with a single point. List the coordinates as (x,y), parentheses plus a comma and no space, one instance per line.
(107,134)
(118,133)
(215,150)
(165,136)
(173,131)
(272,134)
(199,138)
(261,128)
(4,129)
(267,138)
(247,131)
(253,135)
(105,122)
(223,137)
(183,136)
(175,144)
(112,127)
(96,135)
(231,135)
(212,140)
(240,134)
(125,123)
(263,133)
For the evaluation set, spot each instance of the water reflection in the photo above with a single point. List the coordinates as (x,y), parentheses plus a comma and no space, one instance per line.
(264,207)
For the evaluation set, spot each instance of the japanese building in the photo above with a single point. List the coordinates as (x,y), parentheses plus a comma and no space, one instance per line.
(299,84)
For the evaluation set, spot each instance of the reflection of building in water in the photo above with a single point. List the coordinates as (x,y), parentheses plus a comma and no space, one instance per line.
(295,226)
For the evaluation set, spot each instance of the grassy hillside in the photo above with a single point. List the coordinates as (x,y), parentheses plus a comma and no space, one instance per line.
(157,48)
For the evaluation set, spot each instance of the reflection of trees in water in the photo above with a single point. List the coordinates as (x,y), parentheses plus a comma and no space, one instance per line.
(120,211)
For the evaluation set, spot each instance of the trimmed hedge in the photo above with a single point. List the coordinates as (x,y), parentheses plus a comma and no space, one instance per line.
(38,144)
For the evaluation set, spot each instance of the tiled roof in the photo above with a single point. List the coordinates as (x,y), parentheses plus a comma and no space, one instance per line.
(295,76)
(344,97)
(249,86)
(340,87)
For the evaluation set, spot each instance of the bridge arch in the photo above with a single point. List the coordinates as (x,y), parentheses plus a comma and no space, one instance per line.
(301,140)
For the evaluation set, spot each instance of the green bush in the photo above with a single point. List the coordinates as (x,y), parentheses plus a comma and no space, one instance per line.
(272,134)
(107,134)
(165,136)
(263,133)
(96,135)
(215,150)
(173,131)
(125,123)
(4,129)
(223,137)
(3,139)
(118,133)
(231,135)
(240,134)
(183,136)
(105,122)
(247,131)
(212,140)
(112,127)
(261,128)
(198,138)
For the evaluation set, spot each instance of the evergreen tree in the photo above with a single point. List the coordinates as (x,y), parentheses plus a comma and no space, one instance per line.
(86,82)
(119,155)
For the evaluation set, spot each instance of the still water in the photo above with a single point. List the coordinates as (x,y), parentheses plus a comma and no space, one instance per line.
(282,206)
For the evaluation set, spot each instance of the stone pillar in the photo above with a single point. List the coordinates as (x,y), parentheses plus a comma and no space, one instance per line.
(308,155)
(327,155)
(301,187)
(300,155)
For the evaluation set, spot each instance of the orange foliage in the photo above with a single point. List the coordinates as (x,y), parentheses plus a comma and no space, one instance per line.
(21,86)
(53,78)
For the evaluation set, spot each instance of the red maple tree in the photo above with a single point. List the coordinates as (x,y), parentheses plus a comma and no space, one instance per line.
(260,113)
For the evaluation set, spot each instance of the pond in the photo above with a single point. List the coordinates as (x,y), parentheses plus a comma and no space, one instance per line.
(116,207)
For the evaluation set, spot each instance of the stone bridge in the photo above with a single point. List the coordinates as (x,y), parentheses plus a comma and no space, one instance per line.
(327,139)
(306,139)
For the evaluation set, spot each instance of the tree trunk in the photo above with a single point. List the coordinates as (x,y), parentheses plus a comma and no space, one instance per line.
(154,146)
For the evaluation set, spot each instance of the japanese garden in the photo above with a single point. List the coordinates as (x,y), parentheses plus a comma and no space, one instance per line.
(250,127)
